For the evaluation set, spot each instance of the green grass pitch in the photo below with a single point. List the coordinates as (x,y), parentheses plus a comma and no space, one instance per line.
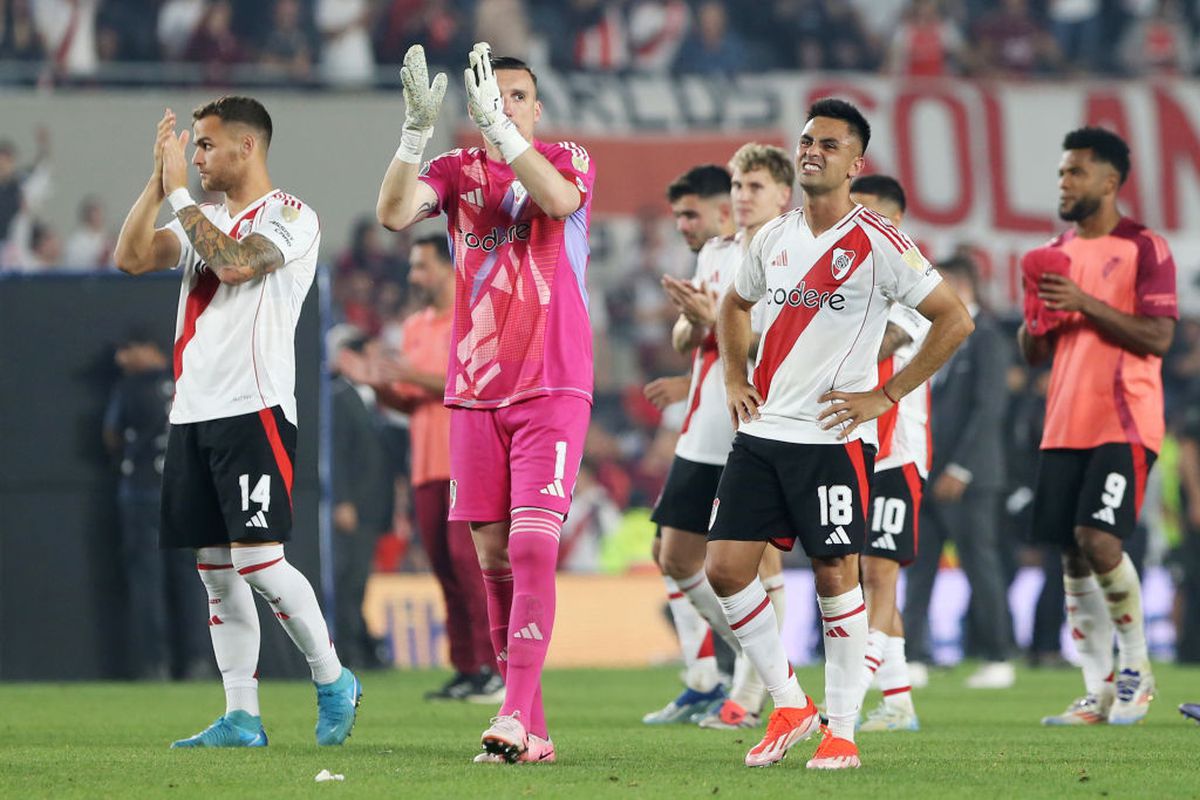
(110,740)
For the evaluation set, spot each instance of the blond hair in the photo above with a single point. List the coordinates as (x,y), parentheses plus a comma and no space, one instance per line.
(775,160)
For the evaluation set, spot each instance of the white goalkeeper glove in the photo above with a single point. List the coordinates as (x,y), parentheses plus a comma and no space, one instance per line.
(487,107)
(422,101)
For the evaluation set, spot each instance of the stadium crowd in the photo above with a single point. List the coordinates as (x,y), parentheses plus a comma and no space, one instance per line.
(343,43)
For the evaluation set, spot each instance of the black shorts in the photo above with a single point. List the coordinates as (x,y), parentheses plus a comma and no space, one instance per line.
(779,492)
(1099,488)
(229,480)
(895,509)
(687,498)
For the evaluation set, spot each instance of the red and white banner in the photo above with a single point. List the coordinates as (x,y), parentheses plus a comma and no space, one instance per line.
(978,160)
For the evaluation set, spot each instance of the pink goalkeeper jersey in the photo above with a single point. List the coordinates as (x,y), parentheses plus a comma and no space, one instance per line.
(521,326)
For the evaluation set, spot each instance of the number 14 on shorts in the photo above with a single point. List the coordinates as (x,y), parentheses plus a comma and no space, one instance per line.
(260,494)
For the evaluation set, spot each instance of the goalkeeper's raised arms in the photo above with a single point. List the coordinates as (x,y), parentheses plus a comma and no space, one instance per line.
(422,102)
(486,106)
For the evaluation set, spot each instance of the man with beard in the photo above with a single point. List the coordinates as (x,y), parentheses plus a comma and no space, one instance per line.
(1100,301)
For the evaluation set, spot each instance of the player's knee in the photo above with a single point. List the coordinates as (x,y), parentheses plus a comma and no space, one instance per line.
(727,578)
(677,565)
(1101,549)
(532,552)
(835,576)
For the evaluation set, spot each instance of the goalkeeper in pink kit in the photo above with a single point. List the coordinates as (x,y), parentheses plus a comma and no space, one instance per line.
(519,381)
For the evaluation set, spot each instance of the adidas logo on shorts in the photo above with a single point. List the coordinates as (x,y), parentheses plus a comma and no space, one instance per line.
(885,542)
(1106,515)
(839,536)
(259,520)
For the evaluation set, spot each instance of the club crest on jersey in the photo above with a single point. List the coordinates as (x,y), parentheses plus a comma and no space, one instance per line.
(244,227)
(843,260)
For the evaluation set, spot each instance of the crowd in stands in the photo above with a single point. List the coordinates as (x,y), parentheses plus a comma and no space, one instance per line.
(344,43)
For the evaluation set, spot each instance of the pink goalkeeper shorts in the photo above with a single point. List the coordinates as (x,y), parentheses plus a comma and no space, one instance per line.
(522,456)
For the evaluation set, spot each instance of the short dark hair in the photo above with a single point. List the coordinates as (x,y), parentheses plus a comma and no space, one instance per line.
(438,242)
(885,187)
(839,109)
(238,108)
(509,62)
(962,266)
(706,180)
(1105,145)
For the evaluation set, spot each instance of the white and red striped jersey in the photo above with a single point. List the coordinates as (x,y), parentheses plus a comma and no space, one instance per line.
(707,432)
(826,305)
(235,350)
(904,436)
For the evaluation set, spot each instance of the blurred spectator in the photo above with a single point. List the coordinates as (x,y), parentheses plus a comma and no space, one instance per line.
(366,253)
(927,43)
(68,32)
(592,37)
(656,32)
(32,246)
(1078,29)
(1011,43)
(712,47)
(354,292)
(347,59)
(19,36)
(89,246)
(214,44)
(1159,44)
(1187,559)
(362,502)
(126,31)
(848,46)
(505,25)
(177,22)
(593,516)
(162,595)
(287,51)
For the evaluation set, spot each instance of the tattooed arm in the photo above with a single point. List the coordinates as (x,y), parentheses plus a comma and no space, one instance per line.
(232,261)
(404,200)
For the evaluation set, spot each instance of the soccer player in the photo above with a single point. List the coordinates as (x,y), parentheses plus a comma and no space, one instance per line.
(804,450)
(1100,302)
(901,467)
(703,211)
(520,377)
(246,265)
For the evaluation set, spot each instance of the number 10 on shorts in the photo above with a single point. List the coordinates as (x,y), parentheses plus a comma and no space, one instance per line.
(261,493)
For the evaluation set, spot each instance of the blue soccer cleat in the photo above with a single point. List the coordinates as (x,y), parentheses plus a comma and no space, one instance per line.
(687,705)
(1191,711)
(235,729)
(336,708)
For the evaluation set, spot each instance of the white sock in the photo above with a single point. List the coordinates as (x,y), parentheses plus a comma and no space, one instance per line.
(704,599)
(233,627)
(844,620)
(892,677)
(1126,612)
(873,660)
(773,585)
(1092,630)
(749,690)
(752,620)
(291,597)
(695,640)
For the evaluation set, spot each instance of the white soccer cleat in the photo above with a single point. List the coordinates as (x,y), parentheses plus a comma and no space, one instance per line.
(506,737)
(537,751)
(1088,710)
(886,717)
(1135,690)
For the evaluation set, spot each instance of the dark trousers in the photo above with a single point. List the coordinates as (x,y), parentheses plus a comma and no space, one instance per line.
(353,553)
(456,567)
(165,601)
(971,525)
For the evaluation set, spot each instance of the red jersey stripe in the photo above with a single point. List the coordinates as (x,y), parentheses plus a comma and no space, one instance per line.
(708,356)
(793,320)
(895,240)
(888,419)
(277,449)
